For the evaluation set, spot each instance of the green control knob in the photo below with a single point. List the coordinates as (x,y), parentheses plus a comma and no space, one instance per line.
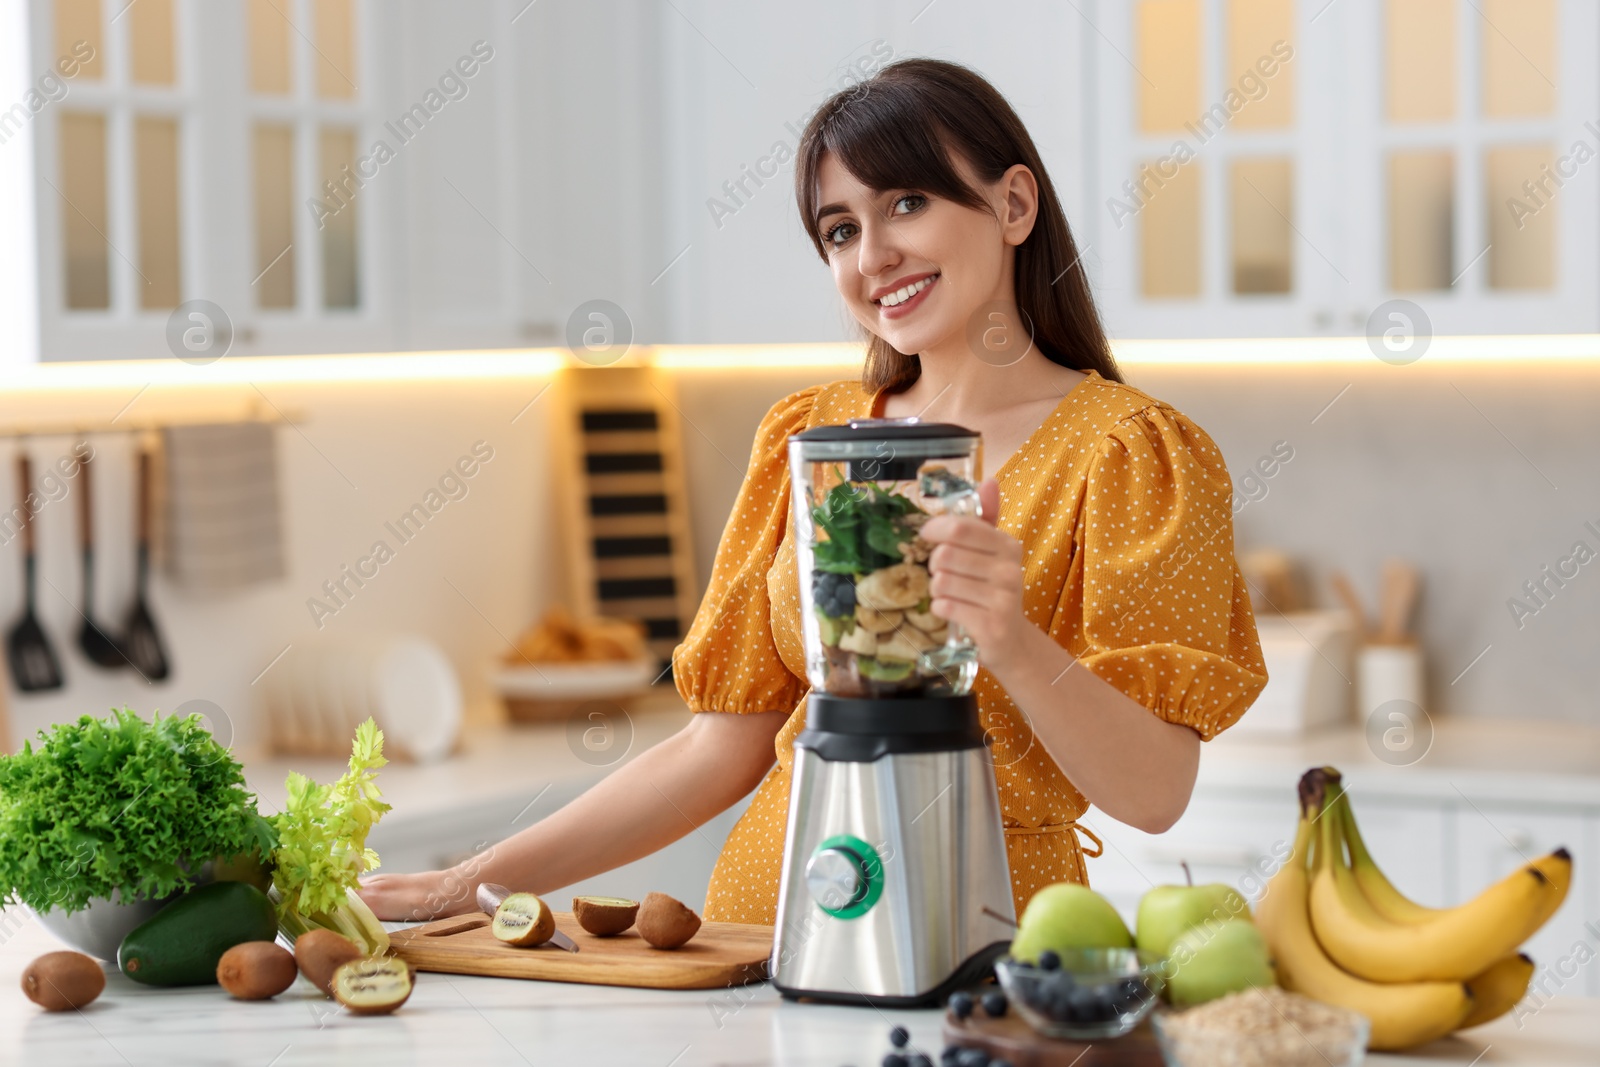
(844,876)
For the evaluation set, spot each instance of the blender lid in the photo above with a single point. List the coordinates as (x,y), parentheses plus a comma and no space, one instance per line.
(906,429)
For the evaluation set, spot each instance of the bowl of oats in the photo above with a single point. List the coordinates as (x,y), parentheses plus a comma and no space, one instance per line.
(1268,1027)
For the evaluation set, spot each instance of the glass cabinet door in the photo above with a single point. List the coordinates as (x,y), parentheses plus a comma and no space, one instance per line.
(1284,167)
(1473,168)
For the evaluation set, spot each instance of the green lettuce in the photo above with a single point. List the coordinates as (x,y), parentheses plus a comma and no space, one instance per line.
(322,848)
(120,805)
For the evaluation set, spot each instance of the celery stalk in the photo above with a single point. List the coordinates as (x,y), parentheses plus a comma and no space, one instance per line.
(322,853)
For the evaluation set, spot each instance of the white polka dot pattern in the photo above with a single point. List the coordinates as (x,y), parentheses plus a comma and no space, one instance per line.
(1153,603)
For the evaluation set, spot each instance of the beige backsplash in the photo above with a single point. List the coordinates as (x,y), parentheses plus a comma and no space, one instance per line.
(1444,464)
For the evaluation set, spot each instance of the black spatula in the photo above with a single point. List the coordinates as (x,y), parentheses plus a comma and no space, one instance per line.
(33,662)
(101,648)
(141,641)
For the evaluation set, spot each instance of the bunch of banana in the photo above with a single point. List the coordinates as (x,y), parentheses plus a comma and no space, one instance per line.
(1342,934)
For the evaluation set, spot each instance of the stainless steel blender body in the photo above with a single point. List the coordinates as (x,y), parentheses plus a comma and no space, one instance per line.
(895,887)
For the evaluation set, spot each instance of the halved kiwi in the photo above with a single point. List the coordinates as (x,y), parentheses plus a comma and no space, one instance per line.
(665,922)
(375,985)
(523,919)
(604,916)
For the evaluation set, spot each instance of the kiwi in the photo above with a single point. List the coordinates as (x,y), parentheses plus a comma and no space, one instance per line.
(523,919)
(320,952)
(604,916)
(58,981)
(256,970)
(375,985)
(665,922)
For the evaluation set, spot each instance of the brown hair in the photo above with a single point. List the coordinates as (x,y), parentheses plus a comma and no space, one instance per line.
(896,131)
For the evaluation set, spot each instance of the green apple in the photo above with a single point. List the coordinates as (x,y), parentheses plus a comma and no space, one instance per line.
(1169,911)
(1212,961)
(1065,916)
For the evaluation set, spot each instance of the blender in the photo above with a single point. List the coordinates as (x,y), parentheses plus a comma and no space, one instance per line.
(895,889)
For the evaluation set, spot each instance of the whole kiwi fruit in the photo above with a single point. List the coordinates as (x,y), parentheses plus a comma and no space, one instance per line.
(320,952)
(256,970)
(665,922)
(59,981)
(604,916)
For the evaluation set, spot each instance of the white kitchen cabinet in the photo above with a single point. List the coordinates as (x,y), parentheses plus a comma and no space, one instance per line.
(738,91)
(1496,839)
(1288,167)
(499,198)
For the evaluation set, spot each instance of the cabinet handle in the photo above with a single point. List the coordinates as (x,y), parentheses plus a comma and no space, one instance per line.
(1522,841)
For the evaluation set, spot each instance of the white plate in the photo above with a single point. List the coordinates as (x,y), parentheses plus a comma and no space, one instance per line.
(416,696)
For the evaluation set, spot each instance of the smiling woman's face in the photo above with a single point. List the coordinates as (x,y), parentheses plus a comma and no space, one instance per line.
(913,268)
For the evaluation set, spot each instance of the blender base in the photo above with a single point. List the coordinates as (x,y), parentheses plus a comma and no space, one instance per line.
(974,969)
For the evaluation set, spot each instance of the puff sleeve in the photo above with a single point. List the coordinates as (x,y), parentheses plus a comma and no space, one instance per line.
(1165,613)
(729,660)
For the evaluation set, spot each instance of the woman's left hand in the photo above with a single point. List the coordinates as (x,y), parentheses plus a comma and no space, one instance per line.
(976,576)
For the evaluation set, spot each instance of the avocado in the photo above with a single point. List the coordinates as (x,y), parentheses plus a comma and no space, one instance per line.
(182,943)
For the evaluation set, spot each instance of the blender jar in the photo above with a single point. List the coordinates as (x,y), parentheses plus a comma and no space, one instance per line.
(861,493)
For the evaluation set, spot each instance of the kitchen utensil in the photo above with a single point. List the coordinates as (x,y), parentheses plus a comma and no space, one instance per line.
(1310,658)
(141,641)
(1273,581)
(1399,594)
(895,887)
(1352,603)
(99,646)
(1011,1038)
(33,662)
(1390,672)
(490,897)
(720,956)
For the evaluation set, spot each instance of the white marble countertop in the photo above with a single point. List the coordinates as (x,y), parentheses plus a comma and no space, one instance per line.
(1514,760)
(492,1021)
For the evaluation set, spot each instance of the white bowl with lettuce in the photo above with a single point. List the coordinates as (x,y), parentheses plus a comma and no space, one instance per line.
(108,820)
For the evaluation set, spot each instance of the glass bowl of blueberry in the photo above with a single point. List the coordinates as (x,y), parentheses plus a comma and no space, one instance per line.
(1085,994)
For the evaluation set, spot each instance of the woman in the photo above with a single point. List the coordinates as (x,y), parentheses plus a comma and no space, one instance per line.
(1113,626)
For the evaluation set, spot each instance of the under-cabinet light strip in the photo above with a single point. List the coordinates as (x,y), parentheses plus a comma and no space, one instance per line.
(537,363)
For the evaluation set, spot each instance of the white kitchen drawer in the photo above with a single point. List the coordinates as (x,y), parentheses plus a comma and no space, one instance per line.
(1495,839)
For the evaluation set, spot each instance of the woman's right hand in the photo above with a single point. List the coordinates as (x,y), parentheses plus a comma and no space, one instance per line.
(419,897)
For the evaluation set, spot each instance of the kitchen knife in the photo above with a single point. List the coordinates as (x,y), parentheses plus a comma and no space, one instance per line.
(490,894)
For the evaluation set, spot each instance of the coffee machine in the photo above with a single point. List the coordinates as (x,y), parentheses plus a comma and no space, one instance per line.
(895,888)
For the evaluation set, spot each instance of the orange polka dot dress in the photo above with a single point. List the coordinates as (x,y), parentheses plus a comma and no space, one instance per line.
(1123,509)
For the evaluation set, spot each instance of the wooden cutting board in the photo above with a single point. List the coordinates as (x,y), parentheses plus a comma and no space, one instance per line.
(1010,1037)
(720,955)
